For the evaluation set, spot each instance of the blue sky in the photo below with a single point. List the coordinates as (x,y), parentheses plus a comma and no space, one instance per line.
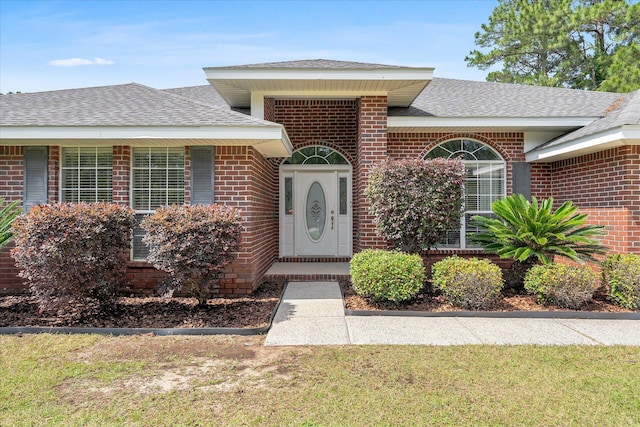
(48,45)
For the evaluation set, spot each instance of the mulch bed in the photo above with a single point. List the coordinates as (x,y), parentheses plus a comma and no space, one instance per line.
(509,301)
(252,311)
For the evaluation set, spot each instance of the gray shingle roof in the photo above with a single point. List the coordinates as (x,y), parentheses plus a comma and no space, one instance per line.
(202,93)
(463,98)
(121,105)
(328,64)
(625,111)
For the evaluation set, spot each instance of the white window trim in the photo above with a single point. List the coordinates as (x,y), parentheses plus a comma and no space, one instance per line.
(463,220)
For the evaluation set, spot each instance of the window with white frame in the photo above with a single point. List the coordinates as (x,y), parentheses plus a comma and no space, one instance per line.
(86,174)
(485,183)
(157,179)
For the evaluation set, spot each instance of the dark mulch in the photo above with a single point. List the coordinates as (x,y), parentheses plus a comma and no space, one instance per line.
(252,311)
(509,301)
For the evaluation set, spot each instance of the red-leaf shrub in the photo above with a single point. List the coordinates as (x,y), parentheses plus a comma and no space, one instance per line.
(193,244)
(415,202)
(73,255)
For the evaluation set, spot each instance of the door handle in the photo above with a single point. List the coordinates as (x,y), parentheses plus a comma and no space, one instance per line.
(332,220)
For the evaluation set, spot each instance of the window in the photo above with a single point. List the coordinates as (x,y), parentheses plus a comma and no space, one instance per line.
(485,183)
(86,174)
(316,155)
(157,180)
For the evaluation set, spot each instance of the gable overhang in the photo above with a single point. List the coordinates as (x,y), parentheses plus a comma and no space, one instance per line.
(401,86)
(611,138)
(270,141)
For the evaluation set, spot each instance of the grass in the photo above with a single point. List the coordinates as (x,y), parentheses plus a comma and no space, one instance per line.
(82,380)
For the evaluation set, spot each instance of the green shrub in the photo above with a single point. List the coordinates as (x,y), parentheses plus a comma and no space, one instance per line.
(73,255)
(468,283)
(622,275)
(529,232)
(565,285)
(387,276)
(415,202)
(194,244)
(7,215)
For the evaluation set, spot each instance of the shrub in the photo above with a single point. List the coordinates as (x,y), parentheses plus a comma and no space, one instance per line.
(622,275)
(193,244)
(415,202)
(387,276)
(565,285)
(468,283)
(73,255)
(7,215)
(529,232)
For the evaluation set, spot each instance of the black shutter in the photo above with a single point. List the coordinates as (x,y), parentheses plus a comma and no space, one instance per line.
(522,179)
(35,177)
(202,175)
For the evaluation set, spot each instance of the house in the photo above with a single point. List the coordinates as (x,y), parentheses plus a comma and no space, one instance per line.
(291,144)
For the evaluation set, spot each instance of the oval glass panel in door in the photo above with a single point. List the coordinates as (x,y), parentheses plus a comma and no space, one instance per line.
(316,211)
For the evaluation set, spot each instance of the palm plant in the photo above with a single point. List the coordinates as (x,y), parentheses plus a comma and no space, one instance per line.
(529,232)
(7,215)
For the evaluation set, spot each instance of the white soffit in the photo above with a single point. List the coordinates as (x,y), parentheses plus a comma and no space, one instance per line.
(401,85)
(617,137)
(268,141)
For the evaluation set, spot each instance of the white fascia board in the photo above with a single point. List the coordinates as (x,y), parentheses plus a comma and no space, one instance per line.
(313,74)
(518,123)
(88,132)
(617,137)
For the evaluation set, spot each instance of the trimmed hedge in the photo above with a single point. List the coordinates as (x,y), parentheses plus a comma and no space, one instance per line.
(565,285)
(73,255)
(387,276)
(194,244)
(468,282)
(621,273)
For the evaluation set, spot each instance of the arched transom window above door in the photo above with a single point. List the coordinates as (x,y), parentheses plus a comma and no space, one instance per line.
(485,183)
(316,155)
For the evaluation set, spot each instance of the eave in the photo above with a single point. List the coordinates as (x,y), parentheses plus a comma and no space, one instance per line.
(611,138)
(400,85)
(270,141)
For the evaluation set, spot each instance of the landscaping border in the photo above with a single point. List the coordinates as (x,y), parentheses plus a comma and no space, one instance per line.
(499,314)
(13,330)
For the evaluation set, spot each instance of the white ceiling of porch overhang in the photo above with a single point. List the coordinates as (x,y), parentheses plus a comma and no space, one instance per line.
(400,85)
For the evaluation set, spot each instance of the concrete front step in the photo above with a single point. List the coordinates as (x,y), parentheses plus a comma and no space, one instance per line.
(309,271)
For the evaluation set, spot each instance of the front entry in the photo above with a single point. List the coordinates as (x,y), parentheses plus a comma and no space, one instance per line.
(315,210)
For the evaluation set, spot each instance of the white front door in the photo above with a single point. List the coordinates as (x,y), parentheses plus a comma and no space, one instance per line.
(315,214)
(315,227)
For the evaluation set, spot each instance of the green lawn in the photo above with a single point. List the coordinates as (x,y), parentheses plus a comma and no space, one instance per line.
(153,381)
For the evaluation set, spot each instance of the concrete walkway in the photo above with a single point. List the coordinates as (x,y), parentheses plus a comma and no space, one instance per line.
(312,313)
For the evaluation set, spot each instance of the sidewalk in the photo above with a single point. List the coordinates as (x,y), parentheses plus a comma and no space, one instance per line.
(312,313)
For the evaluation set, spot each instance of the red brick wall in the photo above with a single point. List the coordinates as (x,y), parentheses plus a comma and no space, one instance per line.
(605,185)
(11,186)
(372,149)
(246,180)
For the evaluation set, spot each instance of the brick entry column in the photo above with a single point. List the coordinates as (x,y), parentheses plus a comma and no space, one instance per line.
(372,149)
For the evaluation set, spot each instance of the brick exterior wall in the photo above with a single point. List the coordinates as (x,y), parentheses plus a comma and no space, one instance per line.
(606,186)
(372,149)
(245,180)
(11,179)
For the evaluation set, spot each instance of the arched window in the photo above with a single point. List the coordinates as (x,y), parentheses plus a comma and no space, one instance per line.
(316,155)
(485,183)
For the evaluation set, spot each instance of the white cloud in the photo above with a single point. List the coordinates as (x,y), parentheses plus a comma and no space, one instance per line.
(75,62)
